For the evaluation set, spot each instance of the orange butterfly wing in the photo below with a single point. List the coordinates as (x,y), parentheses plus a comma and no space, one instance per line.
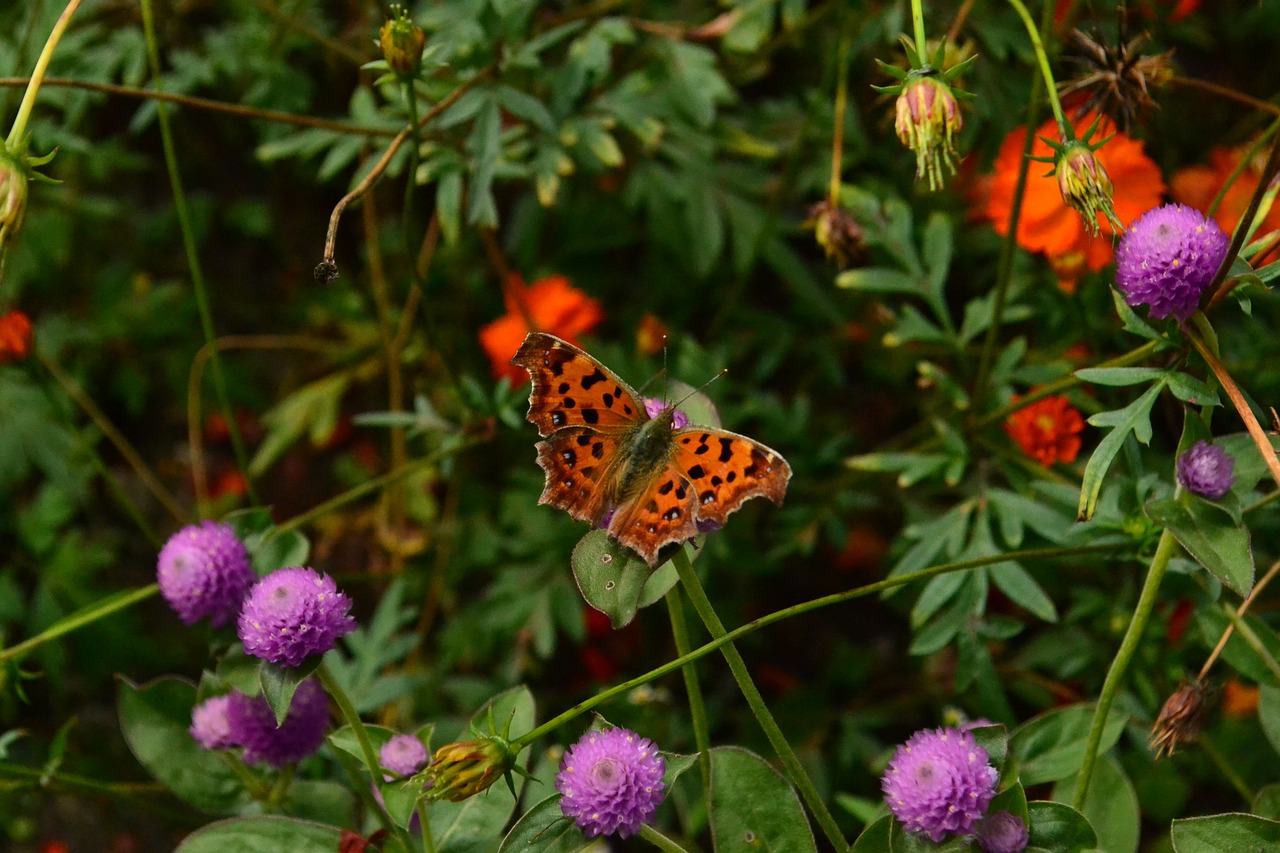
(727,469)
(581,465)
(665,511)
(571,388)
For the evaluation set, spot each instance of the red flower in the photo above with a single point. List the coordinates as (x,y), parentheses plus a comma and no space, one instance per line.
(1048,430)
(550,304)
(1047,223)
(1196,186)
(15,337)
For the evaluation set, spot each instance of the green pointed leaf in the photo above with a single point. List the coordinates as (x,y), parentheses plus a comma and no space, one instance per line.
(544,829)
(875,838)
(279,683)
(263,834)
(1111,806)
(154,719)
(345,739)
(1051,747)
(1212,622)
(1120,376)
(610,576)
(1135,418)
(1266,803)
(1017,583)
(1225,833)
(1060,828)
(1211,537)
(752,807)
(322,801)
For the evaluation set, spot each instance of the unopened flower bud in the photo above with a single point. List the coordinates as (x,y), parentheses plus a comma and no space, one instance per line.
(1180,719)
(464,769)
(402,42)
(1084,185)
(13,195)
(928,117)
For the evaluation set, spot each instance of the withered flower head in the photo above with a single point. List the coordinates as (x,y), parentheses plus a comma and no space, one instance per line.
(836,231)
(1181,717)
(1116,79)
(1084,185)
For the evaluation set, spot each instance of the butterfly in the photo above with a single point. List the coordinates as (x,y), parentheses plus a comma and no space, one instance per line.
(610,464)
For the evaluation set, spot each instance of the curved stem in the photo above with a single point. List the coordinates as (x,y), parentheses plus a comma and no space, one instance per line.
(657,839)
(697,708)
(799,778)
(1230,629)
(108,606)
(1165,549)
(1042,58)
(19,130)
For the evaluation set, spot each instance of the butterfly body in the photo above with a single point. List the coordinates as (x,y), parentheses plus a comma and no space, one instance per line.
(610,464)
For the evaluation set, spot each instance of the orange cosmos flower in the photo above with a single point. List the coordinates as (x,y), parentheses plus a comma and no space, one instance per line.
(1048,430)
(1047,223)
(1196,186)
(1239,699)
(15,337)
(550,304)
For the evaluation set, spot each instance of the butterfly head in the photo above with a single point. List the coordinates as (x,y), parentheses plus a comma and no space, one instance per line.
(655,409)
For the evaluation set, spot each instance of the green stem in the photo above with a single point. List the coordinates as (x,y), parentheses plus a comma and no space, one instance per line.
(108,606)
(1251,639)
(193,256)
(19,130)
(657,839)
(1225,768)
(799,778)
(348,710)
(786,613)
(837,129)
(917,26)
(697,708)
(1165,549)
(424,824)
(415,145)
(1042,57)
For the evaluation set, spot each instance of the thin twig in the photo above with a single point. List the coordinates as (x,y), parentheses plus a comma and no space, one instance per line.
(1230,629)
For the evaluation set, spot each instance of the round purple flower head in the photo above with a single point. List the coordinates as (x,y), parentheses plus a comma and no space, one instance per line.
(1003,832)
(654,407)
(292,614)
(1167,258)
(940,781)
(611,782)
(253,726)
(204,570)
(1206,470)
(209,724)
(403,755)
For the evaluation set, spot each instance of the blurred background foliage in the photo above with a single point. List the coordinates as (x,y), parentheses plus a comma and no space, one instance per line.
(664,157)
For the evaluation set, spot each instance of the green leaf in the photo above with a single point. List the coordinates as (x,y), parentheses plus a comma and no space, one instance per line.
(610,576)
(475,825)
(1212,622)
(262,835)
(1014,581)
(1051,747)
(544,829)
(1266,803)
(154,720)
(1111,806)
(1210,536)
(878,280)
(345,739)
(312,409)
(279,683)
(1135,418)
(995,740)
(1269,714)
(875,838)
(1225,833)
(752,807)
(1057,827)
(321,800)
(1119,376)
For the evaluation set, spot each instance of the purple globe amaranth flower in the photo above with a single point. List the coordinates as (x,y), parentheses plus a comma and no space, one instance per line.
(1002,832)
(253,726)
(403,755)
(1167,258)
(210,725)
(203,570)
(654,407)
(292,614)
(939,782)
(1206,470)
(611,782)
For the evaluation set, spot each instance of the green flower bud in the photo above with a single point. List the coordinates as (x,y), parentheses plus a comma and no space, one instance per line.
(1084,185)
(402,42)
(464,769)
(928,118)
(13,195)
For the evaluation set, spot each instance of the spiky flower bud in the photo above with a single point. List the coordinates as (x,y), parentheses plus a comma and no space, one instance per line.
(464,769)
(928,118)
(402,42)
(14,176)
(1084,185)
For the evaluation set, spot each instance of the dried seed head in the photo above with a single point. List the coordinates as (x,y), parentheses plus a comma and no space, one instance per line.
(1181,717)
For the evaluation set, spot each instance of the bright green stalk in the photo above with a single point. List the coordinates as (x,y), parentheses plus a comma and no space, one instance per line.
(917,25)
(657,839)
(19,130)
(112,604)
(799,778)
(193,256)
(1165,549)
(348,710)
(692,688)
(1043,59)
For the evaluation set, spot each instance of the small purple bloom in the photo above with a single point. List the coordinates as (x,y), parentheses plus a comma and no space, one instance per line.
(209,724)
(1002,832)
(292,614)
(403,755)
(1206,470)
(611,782)
(253,726)
(203,570)
(1167,258)
(654,407)
(939,782)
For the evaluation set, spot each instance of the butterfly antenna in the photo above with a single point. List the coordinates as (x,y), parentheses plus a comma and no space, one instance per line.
(666,390)
(724,371)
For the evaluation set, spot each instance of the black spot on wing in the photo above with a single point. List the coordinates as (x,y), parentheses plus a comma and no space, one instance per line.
(563,389)
(568,402)
(726,449)
(597,450)
(584,440)
(588,381)
(558,419)
(665,488)
(697,473)
(570,458)
(608,401)
(590,416)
